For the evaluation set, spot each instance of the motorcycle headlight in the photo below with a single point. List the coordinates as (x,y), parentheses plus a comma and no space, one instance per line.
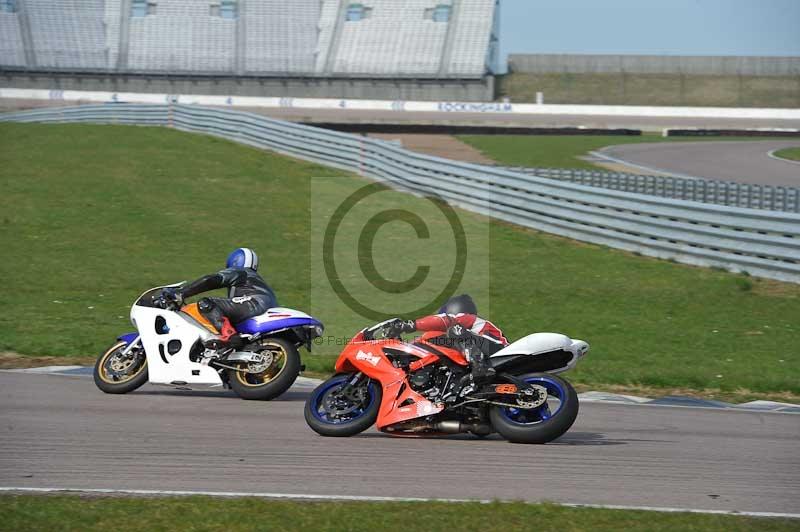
(318,330)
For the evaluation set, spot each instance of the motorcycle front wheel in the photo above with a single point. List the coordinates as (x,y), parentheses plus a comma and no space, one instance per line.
(334,409)
(118,373)
(543,424)
(266,381)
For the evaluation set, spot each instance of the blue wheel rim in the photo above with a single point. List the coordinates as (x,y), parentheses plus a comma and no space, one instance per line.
(319,394)
(542,413)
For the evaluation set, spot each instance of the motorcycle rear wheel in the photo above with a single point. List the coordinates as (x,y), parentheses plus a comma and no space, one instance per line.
(539,425)
(339,416)
(113,374)
(275,379)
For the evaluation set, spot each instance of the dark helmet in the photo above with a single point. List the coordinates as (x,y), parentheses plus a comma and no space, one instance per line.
(462,304)
(242,258)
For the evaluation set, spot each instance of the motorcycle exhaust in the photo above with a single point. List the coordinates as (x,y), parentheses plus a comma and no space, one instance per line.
(455,427)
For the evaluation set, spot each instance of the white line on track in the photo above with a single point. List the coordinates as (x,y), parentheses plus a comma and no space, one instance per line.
(45,370)
(772,155)
(371,498)
(653,171)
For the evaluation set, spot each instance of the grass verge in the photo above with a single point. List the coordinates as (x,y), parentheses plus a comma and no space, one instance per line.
(653,89)
(793,154)
(104,212)
(23,512)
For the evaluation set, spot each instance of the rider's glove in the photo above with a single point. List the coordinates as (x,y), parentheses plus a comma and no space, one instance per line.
(173,296)
(396,327)
(458,331)
(409,326)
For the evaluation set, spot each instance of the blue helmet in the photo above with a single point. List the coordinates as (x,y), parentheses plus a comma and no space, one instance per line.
(243,258)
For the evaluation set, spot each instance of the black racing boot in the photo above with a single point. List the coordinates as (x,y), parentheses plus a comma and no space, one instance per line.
(233,343)
(480,373)
(236,341)
(481,370)
(229,339)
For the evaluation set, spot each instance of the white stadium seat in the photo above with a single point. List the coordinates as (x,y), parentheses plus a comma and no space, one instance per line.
(396,38)
(12,51)
(68,33)
(382,38)
(471,39)
(281,36)
(182,36)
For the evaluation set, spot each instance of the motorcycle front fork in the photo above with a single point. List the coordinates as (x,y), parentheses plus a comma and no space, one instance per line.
(352,384)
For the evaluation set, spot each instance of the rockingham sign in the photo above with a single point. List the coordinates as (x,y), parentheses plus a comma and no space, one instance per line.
(474,107)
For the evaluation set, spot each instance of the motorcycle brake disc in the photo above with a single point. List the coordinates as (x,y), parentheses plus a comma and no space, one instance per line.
(532,397)
(267,358)
(120,365)
(338,404)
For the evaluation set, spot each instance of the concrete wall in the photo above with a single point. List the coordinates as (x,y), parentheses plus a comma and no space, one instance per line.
(654,64)
(375,89)
(684,90)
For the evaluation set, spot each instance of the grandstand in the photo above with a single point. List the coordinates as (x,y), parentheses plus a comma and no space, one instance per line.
(442,49)
(72,35)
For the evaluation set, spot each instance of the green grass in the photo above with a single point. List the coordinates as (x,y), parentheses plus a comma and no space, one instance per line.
(28,513)
(547,151)
(792,154)
(561,151)
(93,215)
(653,89)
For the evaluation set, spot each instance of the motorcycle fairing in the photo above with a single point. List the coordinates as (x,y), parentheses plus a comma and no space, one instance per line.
(368,358)
(165,365)
(276,319)
(194,311)
(540,352)
(428,342)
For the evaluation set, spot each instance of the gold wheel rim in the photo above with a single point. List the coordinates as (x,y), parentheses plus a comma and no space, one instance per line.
(102,366)
(272,372)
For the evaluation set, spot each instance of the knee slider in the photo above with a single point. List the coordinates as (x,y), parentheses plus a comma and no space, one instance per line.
(205,305)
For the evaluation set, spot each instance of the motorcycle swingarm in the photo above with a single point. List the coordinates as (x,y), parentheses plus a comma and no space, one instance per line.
(473,401)
(515,387)
(521,384)
(243,356)
(501,390)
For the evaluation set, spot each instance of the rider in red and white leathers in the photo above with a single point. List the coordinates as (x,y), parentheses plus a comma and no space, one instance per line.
(459,318)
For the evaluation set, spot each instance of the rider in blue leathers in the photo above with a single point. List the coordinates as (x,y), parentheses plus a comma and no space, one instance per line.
(248,294)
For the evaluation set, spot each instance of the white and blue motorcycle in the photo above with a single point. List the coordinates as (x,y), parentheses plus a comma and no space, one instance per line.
(170,347)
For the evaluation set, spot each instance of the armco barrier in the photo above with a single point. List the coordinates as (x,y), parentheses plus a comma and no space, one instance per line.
(746,195)
(763,243)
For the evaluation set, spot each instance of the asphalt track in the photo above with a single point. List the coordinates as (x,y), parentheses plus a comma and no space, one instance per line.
(740,161)
(61,432)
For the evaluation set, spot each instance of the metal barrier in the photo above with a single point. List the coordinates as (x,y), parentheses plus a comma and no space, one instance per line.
(749,196)
(760,242)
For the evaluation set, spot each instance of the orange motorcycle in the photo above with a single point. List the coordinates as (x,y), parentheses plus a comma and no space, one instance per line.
(424,387)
